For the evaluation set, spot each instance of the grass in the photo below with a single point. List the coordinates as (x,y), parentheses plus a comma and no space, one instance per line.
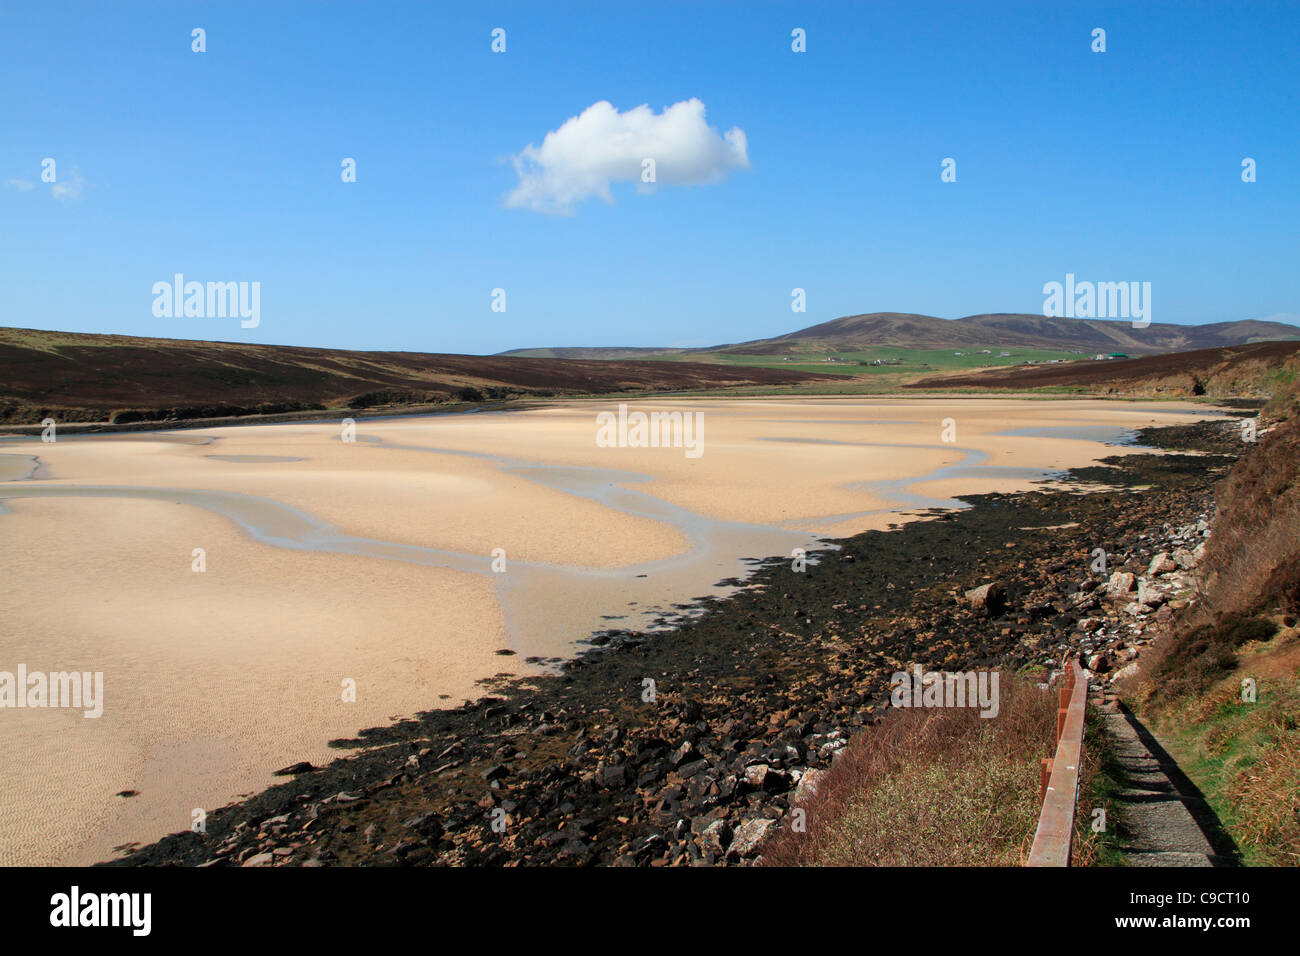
(945,787)
(1245,757)
(907,364)
(1100,783)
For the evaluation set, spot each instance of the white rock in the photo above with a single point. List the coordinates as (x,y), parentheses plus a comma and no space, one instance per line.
(1128,670)
(716,835)
(1119,585)
(808,784)
(748,837)
(1161,564)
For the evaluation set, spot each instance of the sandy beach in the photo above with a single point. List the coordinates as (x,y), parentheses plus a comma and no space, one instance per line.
(378,562)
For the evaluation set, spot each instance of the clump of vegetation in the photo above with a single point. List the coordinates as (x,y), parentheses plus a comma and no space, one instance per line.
(1251,568)
(942,787)
(1224,690)
(1283,383)
(1244,754)
(190,413)
(1202,656)
(395,396)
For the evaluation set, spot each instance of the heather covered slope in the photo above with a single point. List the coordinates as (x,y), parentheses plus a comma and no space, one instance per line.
(910,330)
(78,377)
(1224,689)
(1105,335)
(1255,371)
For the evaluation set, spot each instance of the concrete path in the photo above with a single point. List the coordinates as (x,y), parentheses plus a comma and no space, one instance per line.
(1163,818)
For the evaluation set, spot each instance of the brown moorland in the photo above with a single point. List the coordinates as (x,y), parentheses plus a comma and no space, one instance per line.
(89,378)
(1231,371)
(1224,685)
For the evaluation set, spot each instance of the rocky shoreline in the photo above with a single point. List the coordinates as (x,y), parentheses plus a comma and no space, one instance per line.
(687,747)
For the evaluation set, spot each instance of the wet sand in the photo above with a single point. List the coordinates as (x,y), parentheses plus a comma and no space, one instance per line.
(373,560)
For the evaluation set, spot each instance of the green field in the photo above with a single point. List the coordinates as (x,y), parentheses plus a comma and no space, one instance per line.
(905,364)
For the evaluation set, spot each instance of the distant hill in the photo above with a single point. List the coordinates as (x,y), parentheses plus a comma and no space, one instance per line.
(591,352)
(1004,329)
(1157,337)
(1257,370)
(74,377)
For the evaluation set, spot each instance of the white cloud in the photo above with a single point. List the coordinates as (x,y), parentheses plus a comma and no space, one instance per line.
(69,188)
(22,185)
(603,146)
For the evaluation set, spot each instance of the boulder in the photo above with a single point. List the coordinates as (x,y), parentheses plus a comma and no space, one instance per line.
(756,775)
(808,784)
(1161,564)
(761,776)
(1148,595)
(1119,585)
(295,769)
(831,749)
(684,754)
(988,597)
(1128,670)
(748,837)
(615,775)
(716,836)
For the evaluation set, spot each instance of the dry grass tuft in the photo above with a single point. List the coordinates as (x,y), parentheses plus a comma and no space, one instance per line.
(1244,755)
(934,787)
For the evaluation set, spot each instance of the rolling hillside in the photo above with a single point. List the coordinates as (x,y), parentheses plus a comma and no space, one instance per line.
(1002,330)
(77,377)
(1256,370)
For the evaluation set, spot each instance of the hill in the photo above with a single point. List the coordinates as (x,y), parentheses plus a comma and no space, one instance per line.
(910,330)
(1109,335)
(601,353)
(79,377)
(1234,371)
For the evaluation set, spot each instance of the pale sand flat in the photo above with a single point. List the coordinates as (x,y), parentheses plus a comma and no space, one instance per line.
(214,680)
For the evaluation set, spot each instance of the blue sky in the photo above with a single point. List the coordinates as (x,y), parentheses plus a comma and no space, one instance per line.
(225,165)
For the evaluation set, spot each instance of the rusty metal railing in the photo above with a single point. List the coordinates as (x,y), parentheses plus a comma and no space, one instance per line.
(1059,776)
